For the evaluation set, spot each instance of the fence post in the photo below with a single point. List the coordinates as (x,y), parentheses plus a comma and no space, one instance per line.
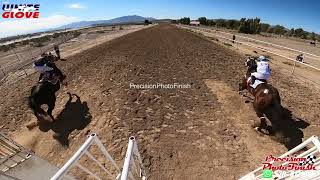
(129,161)
(25,72)
(294,65)
(31,53)
(126,164)
(16,54)
(41,50)
(4,74)
(73,160)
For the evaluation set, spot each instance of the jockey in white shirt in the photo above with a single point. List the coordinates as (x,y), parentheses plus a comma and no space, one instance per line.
(263,70)
(47,68)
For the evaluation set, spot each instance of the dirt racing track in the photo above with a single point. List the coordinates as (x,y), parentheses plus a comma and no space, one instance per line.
(203,132)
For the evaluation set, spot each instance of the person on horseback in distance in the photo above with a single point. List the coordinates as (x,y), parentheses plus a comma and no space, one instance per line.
(57,51)
(263,71)
(48,70)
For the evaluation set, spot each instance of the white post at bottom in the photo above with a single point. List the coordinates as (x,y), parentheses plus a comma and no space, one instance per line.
(126,164)
(74,158)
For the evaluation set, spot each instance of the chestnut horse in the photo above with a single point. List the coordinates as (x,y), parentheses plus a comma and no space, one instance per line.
(265,95)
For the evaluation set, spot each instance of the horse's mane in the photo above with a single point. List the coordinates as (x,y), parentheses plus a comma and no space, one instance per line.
(252,66)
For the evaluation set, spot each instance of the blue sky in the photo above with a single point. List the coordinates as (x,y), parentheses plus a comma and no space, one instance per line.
(53,13)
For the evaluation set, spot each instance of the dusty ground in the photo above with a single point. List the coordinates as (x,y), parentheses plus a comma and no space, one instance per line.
(89,37)
(203,132)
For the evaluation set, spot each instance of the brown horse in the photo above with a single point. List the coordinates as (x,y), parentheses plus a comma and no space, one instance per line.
(265,96)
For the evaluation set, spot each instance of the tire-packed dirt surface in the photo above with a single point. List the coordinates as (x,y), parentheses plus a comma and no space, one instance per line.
(201,132)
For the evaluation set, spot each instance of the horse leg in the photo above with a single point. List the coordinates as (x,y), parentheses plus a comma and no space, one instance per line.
(263,127)
(51,105)
(38,112)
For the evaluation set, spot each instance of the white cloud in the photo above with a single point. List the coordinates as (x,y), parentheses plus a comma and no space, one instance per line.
(22,26)
(76,6)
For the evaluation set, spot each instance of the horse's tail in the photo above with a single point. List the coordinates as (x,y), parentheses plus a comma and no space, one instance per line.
(276,102)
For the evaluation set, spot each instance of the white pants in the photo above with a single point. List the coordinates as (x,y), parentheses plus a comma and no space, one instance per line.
(42,69)
(260,75)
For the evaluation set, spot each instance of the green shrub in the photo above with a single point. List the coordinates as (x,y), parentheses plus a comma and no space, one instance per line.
(250,26)
(185,20)
(147,22)
(221,23)
(76,33)
(174,21)
(37,44)
(8,47)
(4,48)
(203,20)
(12,45)
(56,35)
(25,42)
(41,40)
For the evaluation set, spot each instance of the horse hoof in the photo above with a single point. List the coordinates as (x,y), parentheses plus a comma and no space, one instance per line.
(261,131)
(43,118)
(45,127)
(56,136)
(32,125)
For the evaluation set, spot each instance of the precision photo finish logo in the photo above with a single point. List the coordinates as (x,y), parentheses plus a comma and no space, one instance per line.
(11,11)
(295,166)
(159,86)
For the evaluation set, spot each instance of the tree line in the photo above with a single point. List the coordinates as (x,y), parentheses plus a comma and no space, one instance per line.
(252,26)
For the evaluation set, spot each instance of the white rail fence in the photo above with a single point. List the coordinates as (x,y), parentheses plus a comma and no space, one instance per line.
(272,44)
(22,59)
(20,64)
(258,47)
(132,167)
(292,71)
(313,149)
(11,153)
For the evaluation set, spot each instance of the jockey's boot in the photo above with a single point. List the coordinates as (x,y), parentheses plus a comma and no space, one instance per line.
(253,79)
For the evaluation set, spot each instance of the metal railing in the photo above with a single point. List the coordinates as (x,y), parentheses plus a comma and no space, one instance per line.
(11,153)
(84,150)
(132,167)
(25,57)
(23,60)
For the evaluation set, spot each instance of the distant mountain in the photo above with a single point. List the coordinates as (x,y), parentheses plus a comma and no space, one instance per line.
(119,20)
